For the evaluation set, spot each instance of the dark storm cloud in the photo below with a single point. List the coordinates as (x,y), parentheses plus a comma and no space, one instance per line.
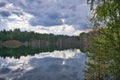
(45,21)
(4,13)
(50,19)
(2,4)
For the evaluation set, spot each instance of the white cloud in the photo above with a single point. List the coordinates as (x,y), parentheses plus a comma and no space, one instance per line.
(20,19)
(22,22)
(49,12)
(58,30)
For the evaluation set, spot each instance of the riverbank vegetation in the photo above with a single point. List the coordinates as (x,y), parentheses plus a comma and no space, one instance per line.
(103,43)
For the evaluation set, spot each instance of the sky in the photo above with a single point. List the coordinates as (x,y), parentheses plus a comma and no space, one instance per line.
(67,17)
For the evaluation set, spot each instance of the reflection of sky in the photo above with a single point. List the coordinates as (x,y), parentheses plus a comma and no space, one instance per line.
(57,65)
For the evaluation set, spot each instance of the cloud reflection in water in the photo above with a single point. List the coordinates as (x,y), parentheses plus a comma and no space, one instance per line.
(57,65)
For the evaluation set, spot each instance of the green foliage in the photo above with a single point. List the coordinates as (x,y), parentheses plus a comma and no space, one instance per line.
(28,36)
(34,42)
(104,44)
(106,11)
(104,54)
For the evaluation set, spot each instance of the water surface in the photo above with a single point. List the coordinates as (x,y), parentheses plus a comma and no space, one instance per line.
(57,65)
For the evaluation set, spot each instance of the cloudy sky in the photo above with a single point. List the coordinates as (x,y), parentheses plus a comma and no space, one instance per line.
(68,17)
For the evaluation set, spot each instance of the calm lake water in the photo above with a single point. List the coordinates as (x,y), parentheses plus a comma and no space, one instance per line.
(57,65)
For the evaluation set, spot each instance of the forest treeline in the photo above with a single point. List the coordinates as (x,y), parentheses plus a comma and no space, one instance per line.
(16,43)
(15,38)
(23,36)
